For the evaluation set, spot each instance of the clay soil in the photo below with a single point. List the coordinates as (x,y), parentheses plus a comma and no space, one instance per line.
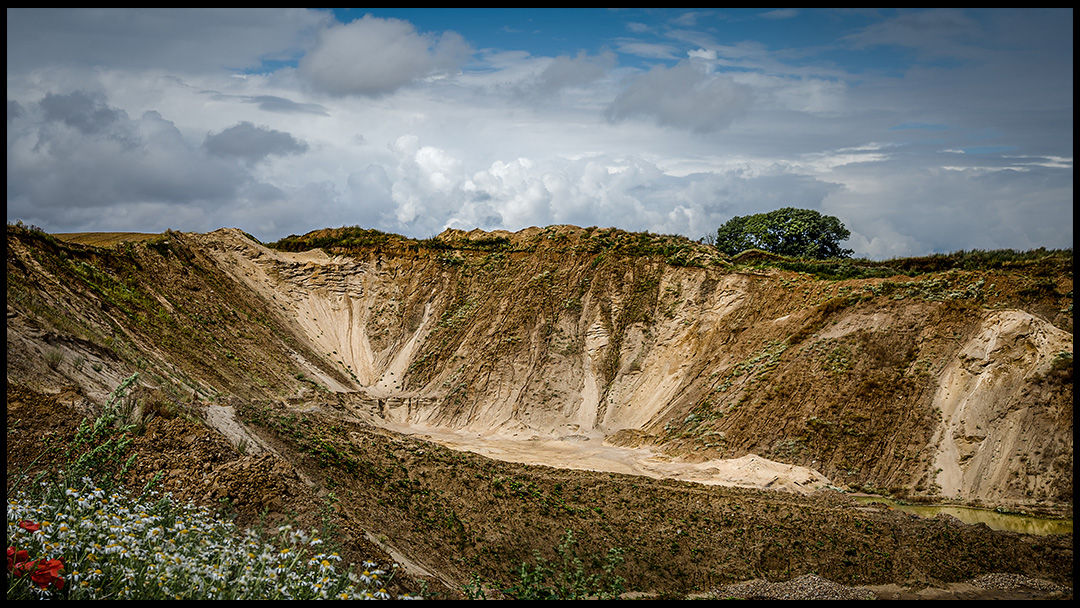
(446,516)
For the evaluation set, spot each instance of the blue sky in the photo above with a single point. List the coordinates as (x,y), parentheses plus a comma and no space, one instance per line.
(922,130)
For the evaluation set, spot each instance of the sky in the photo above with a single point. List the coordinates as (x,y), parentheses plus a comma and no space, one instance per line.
(924,131)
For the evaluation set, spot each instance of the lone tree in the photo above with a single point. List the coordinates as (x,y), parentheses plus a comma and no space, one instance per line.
(790,232)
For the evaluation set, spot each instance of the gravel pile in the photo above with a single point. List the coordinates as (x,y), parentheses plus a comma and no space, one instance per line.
(1014,581)
(805,587)
(814,587)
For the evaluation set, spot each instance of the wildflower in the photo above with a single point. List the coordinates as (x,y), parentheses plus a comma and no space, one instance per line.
(101,542)
(29,526)
(42,572)
(16,560)
(48,573)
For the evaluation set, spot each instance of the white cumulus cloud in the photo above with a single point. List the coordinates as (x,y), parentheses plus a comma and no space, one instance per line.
(373,57)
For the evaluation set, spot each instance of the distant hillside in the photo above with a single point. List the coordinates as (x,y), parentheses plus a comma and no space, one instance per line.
(105,239)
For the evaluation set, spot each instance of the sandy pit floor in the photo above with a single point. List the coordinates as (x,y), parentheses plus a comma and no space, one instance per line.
(579,452)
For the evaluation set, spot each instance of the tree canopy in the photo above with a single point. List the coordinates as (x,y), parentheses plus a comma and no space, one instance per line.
(789,231)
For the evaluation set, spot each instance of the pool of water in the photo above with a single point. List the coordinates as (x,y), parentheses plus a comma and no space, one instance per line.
(998,521)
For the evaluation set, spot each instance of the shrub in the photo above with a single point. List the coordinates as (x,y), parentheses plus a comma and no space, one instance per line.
(566,579)
(788,231)
(54,357)
(98,448)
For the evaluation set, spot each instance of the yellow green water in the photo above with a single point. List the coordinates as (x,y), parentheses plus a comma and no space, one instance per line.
(997,521)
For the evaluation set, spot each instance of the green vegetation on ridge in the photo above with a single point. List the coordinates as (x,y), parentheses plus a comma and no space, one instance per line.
(680,251)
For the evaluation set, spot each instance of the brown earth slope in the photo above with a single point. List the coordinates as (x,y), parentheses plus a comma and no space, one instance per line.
(582,349)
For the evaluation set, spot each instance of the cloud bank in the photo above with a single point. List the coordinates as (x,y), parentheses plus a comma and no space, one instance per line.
(923,131)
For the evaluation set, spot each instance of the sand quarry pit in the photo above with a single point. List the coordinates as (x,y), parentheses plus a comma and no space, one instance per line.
(338,302)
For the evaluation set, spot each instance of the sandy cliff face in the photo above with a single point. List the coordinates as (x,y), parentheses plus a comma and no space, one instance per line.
(996,437)
(553,345)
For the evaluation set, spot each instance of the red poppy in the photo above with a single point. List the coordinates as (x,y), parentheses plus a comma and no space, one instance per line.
(23,567)
(48,573)
(42,572)
(29,526)
(16,560)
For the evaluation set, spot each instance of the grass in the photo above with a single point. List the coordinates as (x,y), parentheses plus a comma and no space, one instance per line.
(1037,262)
(105,239)
(54,357)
